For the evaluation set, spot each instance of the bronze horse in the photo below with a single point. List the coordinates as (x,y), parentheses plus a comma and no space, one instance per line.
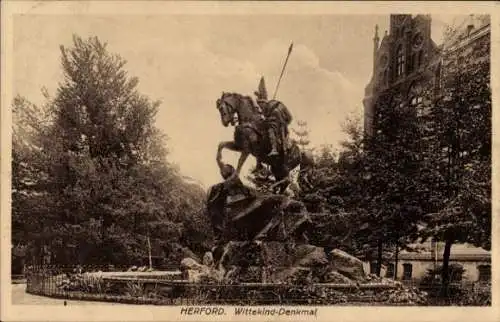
(250,138)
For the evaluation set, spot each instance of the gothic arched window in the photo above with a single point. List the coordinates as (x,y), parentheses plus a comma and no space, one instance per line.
(412,63)
(400,61)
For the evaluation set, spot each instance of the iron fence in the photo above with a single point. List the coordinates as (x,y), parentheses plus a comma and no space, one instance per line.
(96,283)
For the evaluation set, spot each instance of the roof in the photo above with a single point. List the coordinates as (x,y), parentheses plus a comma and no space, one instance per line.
(459,31)
(428,256)
(459,252)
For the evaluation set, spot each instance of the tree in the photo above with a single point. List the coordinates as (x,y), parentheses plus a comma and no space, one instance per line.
(459,148)
(394,200)
(337,190)
(301,134)
(92,183)
(32,205)
(99,108)
(105,131)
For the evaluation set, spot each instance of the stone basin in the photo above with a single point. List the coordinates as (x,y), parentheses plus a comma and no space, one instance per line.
(156,275)
(136,274)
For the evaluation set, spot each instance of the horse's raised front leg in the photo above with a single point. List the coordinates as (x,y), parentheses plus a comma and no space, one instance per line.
(230,145)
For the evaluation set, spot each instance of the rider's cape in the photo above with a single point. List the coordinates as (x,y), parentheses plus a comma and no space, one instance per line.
(278,110)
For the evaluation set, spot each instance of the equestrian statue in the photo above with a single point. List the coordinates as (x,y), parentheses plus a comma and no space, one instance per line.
(261,130)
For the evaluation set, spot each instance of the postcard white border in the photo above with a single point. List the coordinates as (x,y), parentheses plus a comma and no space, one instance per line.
(151,313)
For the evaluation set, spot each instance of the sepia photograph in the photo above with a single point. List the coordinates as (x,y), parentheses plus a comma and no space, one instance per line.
(247,165)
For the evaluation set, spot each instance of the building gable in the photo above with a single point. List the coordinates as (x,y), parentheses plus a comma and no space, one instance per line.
(407,61)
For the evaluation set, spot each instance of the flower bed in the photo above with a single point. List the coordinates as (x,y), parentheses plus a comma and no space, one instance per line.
(159,290)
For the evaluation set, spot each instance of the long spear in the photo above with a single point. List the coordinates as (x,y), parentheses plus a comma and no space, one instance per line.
(283,70)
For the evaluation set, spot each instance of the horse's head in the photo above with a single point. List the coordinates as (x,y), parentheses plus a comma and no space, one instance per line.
(226,105)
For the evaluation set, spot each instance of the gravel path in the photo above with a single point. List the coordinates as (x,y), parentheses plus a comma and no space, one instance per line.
(19,296)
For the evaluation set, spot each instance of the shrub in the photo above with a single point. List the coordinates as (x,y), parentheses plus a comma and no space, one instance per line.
(83,283)
(433,276)
(135,289)
(459,295)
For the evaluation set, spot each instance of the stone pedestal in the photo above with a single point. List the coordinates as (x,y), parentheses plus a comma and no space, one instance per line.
(269,217)
(263,239)
(275,262)
(279,262)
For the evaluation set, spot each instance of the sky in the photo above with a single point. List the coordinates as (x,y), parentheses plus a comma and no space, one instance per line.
(186,61)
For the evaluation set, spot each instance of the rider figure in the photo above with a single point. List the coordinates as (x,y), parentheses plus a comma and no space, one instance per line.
(278,117)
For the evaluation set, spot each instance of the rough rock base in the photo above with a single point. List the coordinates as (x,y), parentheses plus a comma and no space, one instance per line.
(280,262)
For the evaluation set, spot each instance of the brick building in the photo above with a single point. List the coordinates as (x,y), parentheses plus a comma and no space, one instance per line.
(410,65)
(407,61)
